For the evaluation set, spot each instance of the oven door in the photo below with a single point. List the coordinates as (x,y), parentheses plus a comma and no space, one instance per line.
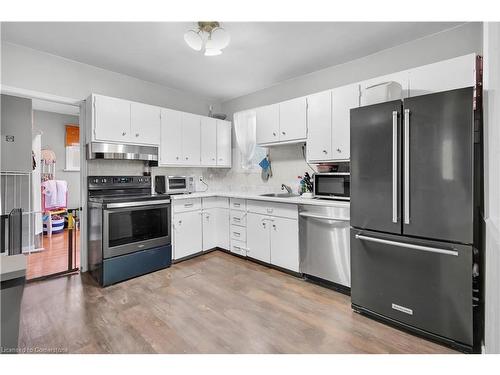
(177,184)
(332,185)
(134,226)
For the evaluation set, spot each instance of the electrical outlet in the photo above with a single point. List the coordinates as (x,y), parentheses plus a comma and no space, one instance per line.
(201,178)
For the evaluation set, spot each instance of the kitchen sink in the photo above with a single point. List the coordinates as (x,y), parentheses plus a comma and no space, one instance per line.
(279,195)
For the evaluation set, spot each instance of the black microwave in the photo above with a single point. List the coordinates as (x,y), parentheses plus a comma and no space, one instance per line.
(332,185)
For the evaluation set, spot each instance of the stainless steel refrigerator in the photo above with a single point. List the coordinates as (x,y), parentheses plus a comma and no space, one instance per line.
(416,199)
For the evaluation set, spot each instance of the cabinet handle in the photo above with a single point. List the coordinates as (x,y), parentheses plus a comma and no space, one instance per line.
(187,158)
(283,133)
(339,150)
(176,158)
(269,210)
(274,133)
(236,204)
(124,134)
(237,234)
(325,152)
(136,134)
(274,226)
(188,205)
(236,219)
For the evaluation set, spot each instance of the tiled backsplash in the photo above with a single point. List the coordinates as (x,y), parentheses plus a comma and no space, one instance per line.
(287,164)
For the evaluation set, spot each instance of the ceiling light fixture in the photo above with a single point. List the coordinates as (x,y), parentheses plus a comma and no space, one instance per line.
(210,38)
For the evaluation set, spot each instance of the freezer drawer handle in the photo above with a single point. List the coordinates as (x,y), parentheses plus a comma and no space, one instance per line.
(320,217)
(394,166)
(407,167)
(407,245)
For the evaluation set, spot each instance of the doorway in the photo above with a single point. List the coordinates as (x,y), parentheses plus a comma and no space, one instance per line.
(48,192)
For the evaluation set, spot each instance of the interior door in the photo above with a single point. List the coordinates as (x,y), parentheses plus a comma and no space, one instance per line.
(208,141)
(171,137)
(438,170)
(375,167)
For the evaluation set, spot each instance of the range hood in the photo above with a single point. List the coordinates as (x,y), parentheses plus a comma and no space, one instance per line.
(114,151)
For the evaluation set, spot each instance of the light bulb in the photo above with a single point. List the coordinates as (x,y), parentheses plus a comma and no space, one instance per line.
(193,40)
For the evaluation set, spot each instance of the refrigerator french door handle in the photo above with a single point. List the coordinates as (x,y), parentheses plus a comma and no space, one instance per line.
(407,245)
(407,167)
(394,166)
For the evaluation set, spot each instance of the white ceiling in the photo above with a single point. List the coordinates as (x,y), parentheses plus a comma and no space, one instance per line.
(261,54)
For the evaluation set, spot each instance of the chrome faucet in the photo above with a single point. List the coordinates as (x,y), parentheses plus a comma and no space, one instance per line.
(287,188)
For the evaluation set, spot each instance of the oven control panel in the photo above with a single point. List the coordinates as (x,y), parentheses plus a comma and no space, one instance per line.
(118,181)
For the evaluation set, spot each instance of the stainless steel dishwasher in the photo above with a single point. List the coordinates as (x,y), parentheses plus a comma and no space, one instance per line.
(324,244)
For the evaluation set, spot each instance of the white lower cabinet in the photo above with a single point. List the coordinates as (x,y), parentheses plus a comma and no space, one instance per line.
(209,229)
(273,239)
(259,240)
(285,243)
(187,233)
(222,220)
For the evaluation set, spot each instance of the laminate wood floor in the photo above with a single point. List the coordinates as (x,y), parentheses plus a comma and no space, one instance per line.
(215,303)
(54,257)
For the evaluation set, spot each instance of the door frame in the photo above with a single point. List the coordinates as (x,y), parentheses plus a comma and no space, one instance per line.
(33,94)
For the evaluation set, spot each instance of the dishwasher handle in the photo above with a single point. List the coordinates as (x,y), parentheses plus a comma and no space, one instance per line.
(322,217)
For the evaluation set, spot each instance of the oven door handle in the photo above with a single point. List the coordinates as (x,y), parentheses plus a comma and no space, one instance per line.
(137,203)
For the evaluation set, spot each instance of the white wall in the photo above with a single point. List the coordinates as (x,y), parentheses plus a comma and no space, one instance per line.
(492,184)
(27,68)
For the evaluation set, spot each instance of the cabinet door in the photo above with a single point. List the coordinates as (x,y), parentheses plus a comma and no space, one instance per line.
(343,99)
(111,119)
(191,143)
(209,229)
(268,124)
(285,243)
(171,137)
(258,237)
(145,123)
(224,143)
(222,219)
(187,234)
(319,126)
(443,76)
(208,141)
(292,117)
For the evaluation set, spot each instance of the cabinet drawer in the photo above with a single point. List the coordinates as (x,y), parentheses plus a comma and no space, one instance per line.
(239,247)
(211,202)
(238,233)
(273,209)
(189,204)
(237,204)
(238,218)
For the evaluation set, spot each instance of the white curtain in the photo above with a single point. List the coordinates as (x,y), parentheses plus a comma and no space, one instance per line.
(245,124)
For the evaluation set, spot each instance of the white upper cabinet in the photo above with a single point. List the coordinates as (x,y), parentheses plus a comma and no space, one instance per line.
(319,126)
(111,119)
(171,136)
(223,143)
(268,124)
(343,100)
(444,75)
(292,120)
(208,141)
(191,139)
(145,123)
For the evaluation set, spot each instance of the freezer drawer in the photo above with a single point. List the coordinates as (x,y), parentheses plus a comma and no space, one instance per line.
(428,286)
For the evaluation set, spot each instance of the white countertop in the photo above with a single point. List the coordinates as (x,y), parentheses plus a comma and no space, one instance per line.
(255,196)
